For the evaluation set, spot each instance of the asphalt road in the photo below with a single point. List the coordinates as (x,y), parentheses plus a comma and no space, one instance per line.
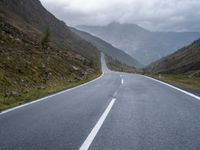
(118,111)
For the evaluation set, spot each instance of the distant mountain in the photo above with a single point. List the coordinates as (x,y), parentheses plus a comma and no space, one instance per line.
(185,60)
(140,43)
(108,49)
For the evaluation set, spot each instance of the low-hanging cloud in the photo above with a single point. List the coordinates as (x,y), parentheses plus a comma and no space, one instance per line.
(159,15)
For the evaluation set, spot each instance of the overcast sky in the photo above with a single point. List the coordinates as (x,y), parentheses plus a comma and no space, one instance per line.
(155,15)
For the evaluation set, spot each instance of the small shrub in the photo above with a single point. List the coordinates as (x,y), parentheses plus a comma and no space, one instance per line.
(46,38)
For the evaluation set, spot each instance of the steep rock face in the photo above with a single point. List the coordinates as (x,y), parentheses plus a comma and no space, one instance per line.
(33,13)
(141,44)
(185,60)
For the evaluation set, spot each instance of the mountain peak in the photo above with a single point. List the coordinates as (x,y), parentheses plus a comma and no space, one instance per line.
(126,25)
(146,46)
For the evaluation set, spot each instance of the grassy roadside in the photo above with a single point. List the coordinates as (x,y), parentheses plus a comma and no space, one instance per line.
(184,81)
(115,65)
(33,65)
(34,93)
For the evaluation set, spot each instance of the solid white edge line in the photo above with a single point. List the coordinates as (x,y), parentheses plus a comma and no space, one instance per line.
(46,97)
(86,144)
(169,85)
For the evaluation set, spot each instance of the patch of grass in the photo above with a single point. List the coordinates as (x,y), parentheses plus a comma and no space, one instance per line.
(182,80)
(34,94)
(116,65)
(30,70)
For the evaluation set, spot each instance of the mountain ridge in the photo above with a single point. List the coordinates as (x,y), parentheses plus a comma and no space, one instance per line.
(108,49)
(37,16)
(184,61)
(33,60)
(146,46)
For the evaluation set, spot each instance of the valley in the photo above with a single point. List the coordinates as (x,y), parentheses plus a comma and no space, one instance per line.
(101,86)
(143,45)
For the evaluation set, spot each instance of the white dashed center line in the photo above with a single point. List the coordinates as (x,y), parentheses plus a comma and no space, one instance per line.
(122,81)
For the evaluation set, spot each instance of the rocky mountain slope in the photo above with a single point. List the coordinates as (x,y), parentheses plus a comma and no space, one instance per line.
(39,54)
(33,13)
(115,65)
(183,61)
(144,45)
(108,49)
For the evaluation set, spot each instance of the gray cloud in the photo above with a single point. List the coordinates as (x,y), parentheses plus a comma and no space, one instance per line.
(159,15)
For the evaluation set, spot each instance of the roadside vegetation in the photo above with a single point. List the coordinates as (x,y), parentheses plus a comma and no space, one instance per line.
(181,68)
(33,66)
(15,98)
(183,81)
(116,65)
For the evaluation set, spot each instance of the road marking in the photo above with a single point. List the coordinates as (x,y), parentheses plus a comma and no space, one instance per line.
(183,91)
(35,101)
(96,128)
(122,81)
